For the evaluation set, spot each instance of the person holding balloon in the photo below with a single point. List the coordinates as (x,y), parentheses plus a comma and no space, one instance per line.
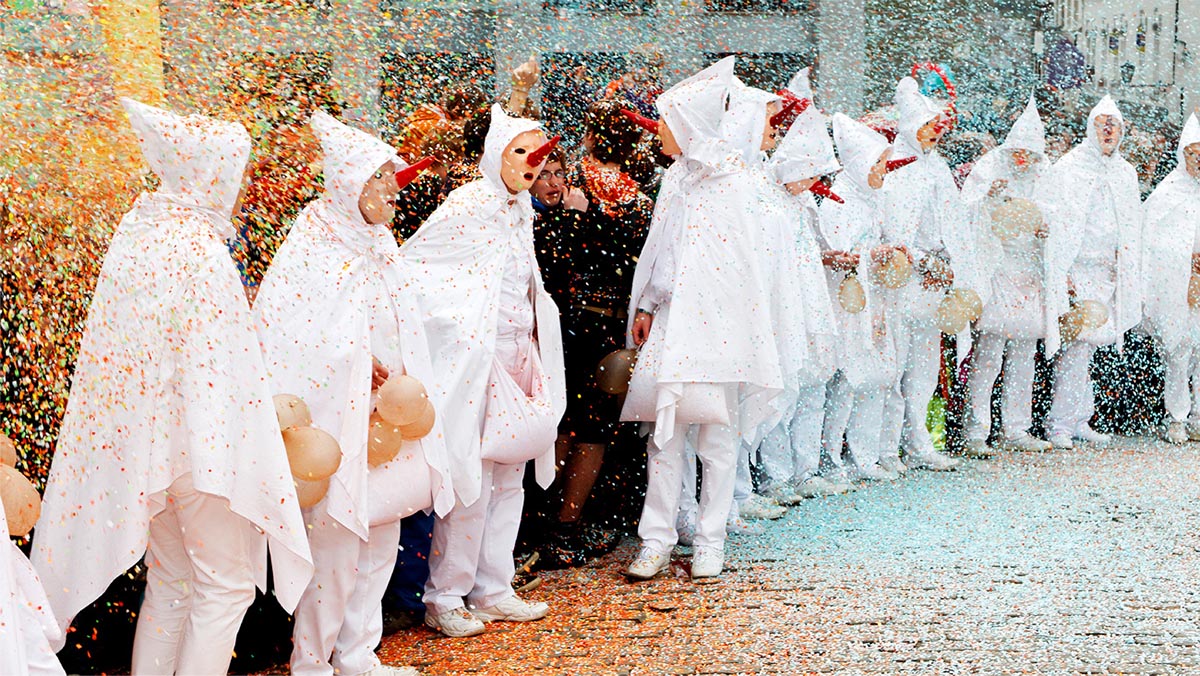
(348,360)
(170,447)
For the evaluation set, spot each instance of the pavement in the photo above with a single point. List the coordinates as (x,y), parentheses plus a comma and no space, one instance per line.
(1081,561)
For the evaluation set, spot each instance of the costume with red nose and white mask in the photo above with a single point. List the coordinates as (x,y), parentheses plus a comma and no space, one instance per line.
(27,624)
(170,446)
(924,213)
(1100,254)
(500,380)
(866,354)
(700,260)
(1022,301)
(1172,239)
(331,304)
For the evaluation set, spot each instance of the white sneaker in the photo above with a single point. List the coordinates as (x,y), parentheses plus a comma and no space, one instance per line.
(385,670)
(457,623)
(816,487)
(976,448)
(931,460)
(739,526)
(1091,436)
(759,507)
(513,609)
(648,564)
(784,495)
(707,562)
(840,480)
(1027,443)
(1176,433)
(685,527)
(874,472)
(893,464)
(1061,441)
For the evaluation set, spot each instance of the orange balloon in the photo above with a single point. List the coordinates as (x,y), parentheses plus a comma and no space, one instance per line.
(310,493)
(1194,291)
(291,411)
(8,452)
(22,503)
(971,303)
(421,426)
(951,316)
(383,441)
(1095,314)
(313,453)
(1017,217)
(614,371)
(851,295)
(402,400)
(893,273)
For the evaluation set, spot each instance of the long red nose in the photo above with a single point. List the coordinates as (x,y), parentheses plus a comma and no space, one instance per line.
(538,156)
(819,188)
(792,107)
(784,115)
(945,122)
(641,120)
(893,165)
(409,173)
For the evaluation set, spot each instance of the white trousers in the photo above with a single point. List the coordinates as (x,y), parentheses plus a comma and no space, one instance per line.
(1016,398)
(792,450)
(717,447)
(199,584)
(1182,399)
(339,620)
(856,415)
(471,559)
(1073,402)
(907,405)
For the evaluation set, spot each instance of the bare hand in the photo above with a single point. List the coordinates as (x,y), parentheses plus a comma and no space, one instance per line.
(843,261)
(575,199)
(526,74)
(1196,264)
(998,187)
(641,327)
(379,374)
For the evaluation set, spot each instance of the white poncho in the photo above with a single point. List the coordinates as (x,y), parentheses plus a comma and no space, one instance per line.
(169,382)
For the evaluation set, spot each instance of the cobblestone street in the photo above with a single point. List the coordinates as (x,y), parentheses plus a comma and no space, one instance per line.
(1067,562)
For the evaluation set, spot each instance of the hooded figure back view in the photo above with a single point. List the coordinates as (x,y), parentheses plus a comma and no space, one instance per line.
(1100,254)
(1022,299)
(700,294)
(1172,250)
(27,624)
(170,445)
(333,302)
(500,379)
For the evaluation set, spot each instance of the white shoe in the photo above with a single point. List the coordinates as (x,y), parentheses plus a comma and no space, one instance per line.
(513,609)
(874,472)
(976,448)
(648,564)
(385,670)
(707,562)
(931,460)
(1193,430)
(457,623)
(893,464)
(816,487)
(840,480)
(739,526)
(1091,436)
(685,527)
(784,495)
(759,507)
(1061,441)
(1176,433)
(1026,442)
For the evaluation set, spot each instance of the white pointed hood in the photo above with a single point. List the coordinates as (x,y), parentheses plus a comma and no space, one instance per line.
(800,86)
(805,151)
(199,161)
(1028,132)
(693,108)
(501,132)
(743,124)
(859,147)
(350,158)
(914,111)
(1106,106)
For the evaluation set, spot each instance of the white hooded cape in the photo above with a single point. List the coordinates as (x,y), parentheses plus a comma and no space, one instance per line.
(1172,215)
(26,619)
(334,297)
(169,382)
(1087,175)
(924,210)
(455,264)
(866,350)
(1006,302)
(715,329)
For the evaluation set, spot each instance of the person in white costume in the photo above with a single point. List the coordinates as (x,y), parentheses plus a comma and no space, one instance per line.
(700,260)
(498,361)
(1100,255)
(335,321)
(1171,259)
(170,446)
(866,352)
(924,214)
(27,624)
(804,315)
(1021,302)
